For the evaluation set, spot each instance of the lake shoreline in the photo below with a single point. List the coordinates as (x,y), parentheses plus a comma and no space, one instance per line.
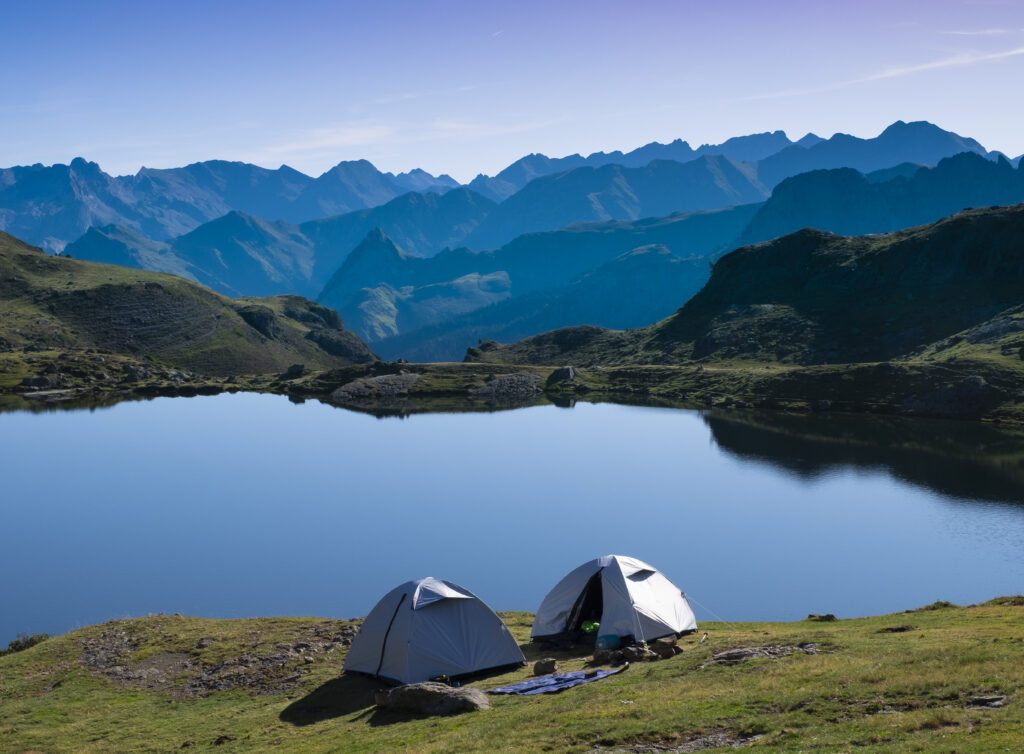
(972,391)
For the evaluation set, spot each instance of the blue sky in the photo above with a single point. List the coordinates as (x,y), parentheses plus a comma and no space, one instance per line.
(467,87)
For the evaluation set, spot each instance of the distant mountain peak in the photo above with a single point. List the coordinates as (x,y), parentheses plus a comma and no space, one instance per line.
(377,242)
(809,140)
(918,126)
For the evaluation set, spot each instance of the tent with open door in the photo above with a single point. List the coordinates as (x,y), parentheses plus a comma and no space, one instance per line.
(626,596)
(429,628)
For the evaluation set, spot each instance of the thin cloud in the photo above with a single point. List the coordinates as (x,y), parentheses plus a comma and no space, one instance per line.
(978,32)
(955,61)
(331,143)
(317,142)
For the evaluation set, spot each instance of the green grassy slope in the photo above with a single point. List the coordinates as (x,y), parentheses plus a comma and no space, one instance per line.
(56,304)
(895,683)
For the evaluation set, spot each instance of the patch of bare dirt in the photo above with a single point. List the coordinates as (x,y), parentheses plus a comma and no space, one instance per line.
(111,654)
(710,740)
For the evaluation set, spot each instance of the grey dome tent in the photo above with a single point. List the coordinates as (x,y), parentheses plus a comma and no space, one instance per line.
(428,628)
(626,596)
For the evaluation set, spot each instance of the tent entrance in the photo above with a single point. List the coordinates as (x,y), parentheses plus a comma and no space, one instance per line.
(589,606)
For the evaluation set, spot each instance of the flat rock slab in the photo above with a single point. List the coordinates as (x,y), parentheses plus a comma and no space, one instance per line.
(382,386)
(517,386)
(431,698)
(771,652)
(718,739)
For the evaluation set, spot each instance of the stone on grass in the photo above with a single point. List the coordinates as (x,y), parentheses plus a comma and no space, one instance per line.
(666,649)
(432,698)
(546,666)
(639,653)
(562,374)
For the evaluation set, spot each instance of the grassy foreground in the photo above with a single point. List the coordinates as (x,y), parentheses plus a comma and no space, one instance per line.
(900,683)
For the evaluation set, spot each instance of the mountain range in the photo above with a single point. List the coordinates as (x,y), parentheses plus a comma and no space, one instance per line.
(53,205)
(241,254)
(739,148)
(546,270)
(399,266)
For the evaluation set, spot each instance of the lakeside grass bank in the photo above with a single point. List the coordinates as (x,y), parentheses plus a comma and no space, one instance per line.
(919,681)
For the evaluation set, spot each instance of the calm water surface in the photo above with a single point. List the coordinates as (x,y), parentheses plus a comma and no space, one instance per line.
(241,505)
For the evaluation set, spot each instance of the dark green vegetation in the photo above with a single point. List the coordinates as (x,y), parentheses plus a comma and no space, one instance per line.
(943,678)
(72,325)
(23,642)
(929,320)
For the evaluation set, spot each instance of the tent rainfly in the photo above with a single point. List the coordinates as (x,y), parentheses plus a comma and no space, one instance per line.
(626,596)
(429,628)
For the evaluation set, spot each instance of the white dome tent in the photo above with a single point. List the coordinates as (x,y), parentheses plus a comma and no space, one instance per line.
(428,628)
(626,596)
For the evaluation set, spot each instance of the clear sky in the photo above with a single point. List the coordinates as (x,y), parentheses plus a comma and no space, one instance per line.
(467,86)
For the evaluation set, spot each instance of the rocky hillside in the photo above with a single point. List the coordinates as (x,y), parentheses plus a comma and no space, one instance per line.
(53,303)
(852,203)
(817,298)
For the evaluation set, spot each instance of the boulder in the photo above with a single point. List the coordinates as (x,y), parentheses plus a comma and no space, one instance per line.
(968,397)
(39,382)
(516,386)
(608,657)
(545,667)
(431,698)
(562,374)
(371,388)
(666,649)
(638,653)
(295,370)
(261,319)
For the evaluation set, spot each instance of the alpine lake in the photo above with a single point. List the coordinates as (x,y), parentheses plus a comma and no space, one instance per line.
(252,505)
